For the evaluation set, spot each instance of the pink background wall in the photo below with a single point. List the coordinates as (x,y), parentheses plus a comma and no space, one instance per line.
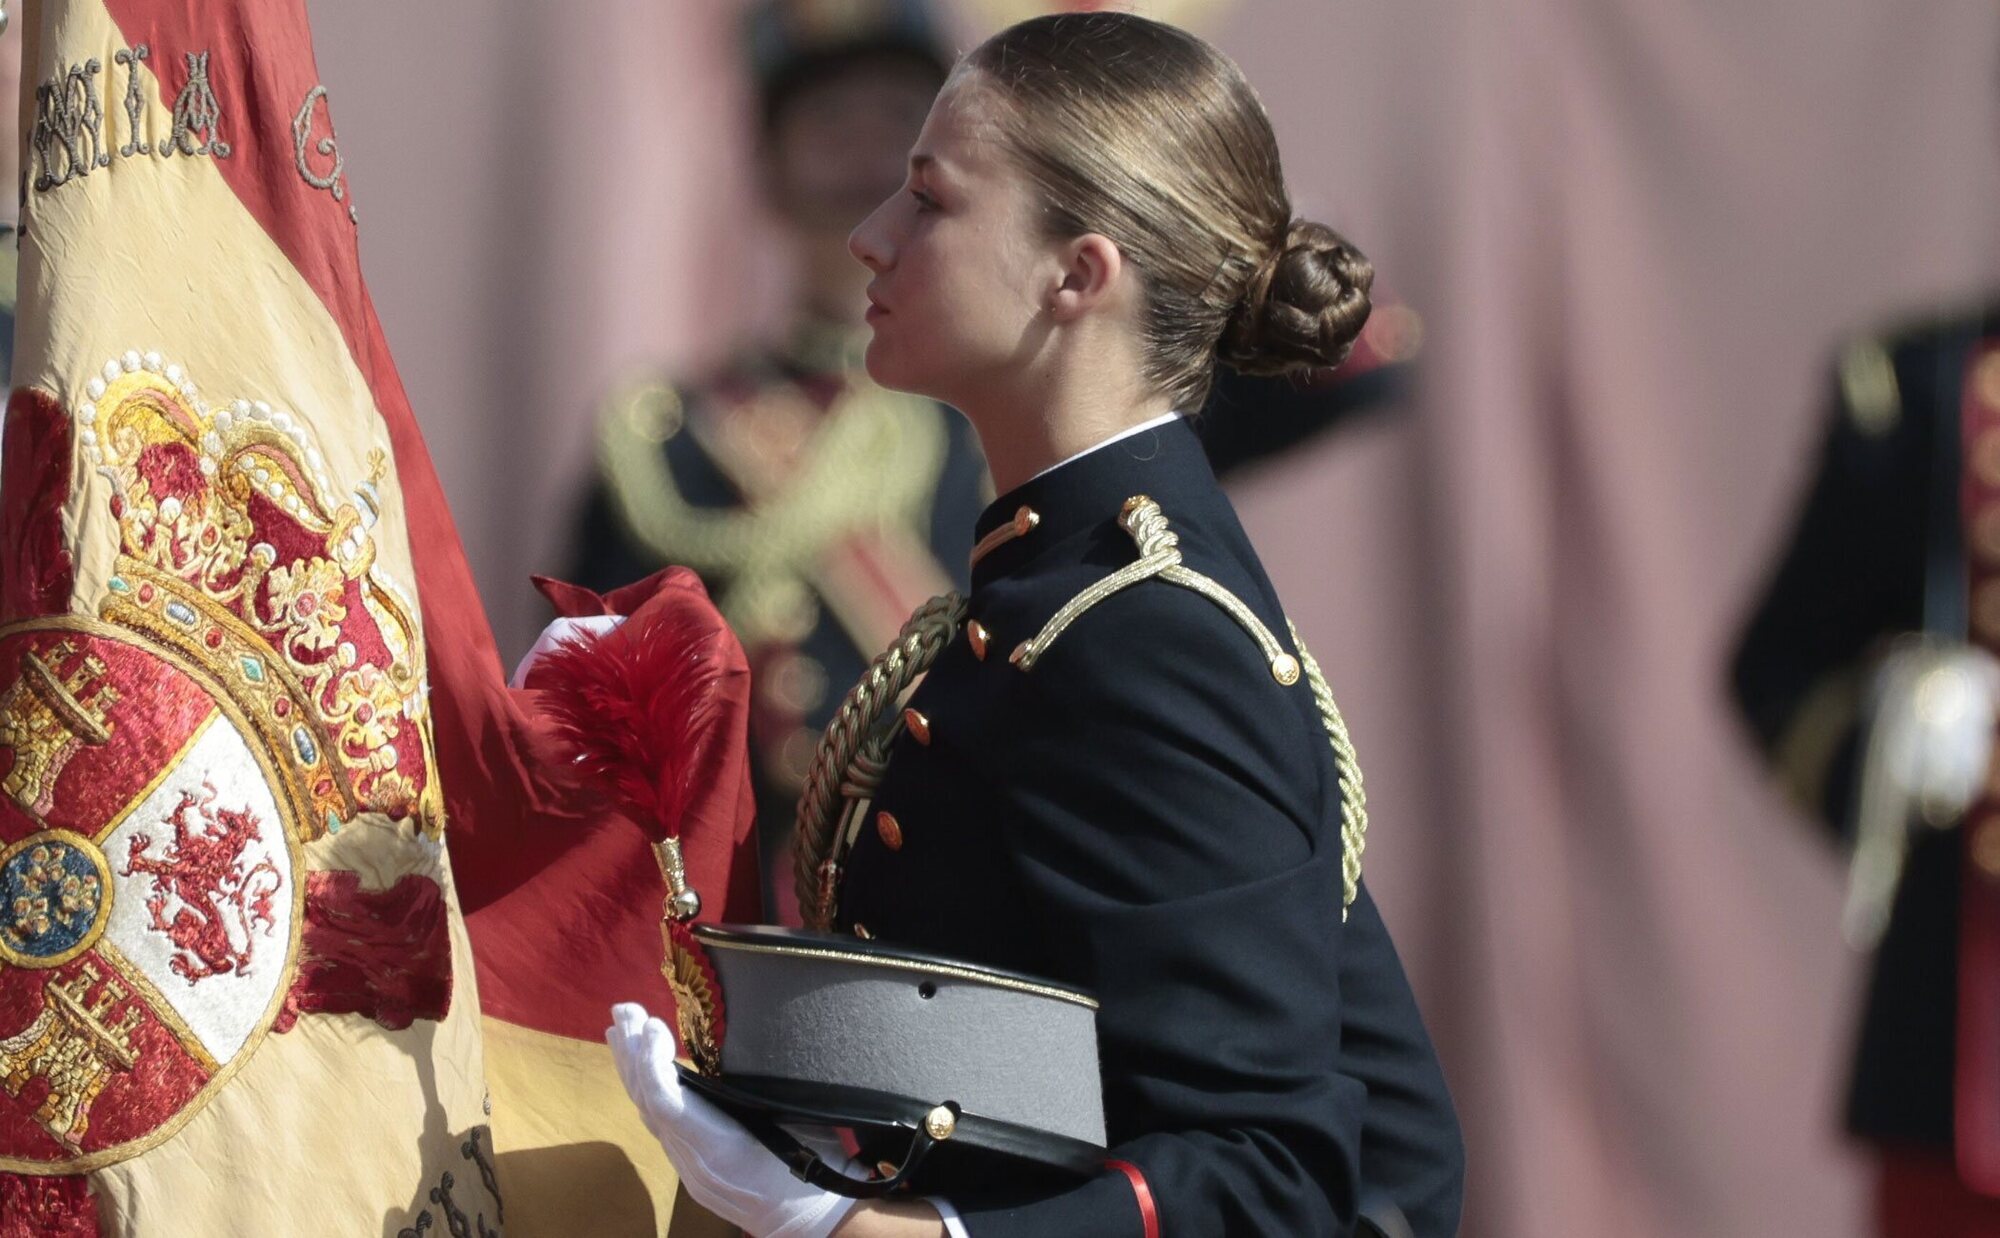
(1636,228)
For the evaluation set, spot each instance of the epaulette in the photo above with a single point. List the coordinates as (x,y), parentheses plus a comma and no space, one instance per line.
(1159,557)
(1868,389)
(1865,368)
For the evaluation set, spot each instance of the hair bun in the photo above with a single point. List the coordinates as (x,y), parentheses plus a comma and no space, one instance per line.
(1302,308)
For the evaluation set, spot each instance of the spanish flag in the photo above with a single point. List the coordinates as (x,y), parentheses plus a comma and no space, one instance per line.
(247,693)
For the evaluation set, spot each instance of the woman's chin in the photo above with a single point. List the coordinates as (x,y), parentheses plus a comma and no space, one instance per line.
(886,368)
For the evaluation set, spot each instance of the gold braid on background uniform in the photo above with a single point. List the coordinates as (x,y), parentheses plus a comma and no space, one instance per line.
(873,461)
(848,764)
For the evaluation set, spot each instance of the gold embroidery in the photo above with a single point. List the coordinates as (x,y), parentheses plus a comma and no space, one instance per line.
(308,596)
(129,980)
(47,716)
(1284,668)
(1159,548)
(72,1046)
(318,790)
(194,573)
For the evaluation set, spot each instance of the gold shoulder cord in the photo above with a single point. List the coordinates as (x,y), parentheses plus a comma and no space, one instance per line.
(1347,767)
(848,764)
(1159,555)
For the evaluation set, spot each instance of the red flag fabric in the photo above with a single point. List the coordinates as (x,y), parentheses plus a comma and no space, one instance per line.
(246,693)
(574,914)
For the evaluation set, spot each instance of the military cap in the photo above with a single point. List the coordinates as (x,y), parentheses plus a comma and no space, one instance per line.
(950,1073)
(795,42)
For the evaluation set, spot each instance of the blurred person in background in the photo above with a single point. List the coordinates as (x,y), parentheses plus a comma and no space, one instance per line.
(1868,678)
(819,508)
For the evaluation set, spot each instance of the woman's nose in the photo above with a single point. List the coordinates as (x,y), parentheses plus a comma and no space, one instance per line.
(869,242)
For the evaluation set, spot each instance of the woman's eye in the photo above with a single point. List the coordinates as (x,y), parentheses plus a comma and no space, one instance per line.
(924,201)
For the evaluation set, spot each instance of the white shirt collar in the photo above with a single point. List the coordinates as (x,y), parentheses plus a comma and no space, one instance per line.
(1126,433)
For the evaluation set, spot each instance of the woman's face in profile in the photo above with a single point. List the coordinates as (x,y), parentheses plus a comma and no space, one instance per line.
(960,267)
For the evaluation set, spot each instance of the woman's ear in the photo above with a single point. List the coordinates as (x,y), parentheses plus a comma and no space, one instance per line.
(1091,269)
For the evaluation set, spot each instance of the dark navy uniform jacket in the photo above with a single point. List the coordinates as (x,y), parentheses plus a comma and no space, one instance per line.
(1149,815)
(1883,502)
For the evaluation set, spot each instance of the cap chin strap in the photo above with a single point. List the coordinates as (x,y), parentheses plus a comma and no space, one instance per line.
(809,1167)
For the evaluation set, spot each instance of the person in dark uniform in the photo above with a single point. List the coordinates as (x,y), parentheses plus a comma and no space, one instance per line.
(1123,770)
(1866,677)
(819,508)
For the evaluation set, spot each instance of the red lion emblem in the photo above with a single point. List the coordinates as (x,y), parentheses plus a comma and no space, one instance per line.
(204,870)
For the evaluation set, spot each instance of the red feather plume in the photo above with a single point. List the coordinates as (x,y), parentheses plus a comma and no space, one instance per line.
(634,702)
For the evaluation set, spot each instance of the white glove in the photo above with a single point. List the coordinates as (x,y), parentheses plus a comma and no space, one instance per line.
(722,1165)
(1935,715)
(561,632)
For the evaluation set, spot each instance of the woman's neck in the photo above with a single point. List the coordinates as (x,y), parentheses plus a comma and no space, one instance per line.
(1083,395)
(1022,443)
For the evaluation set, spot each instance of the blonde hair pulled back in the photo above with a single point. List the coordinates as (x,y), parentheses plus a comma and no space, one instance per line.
(1145,134)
